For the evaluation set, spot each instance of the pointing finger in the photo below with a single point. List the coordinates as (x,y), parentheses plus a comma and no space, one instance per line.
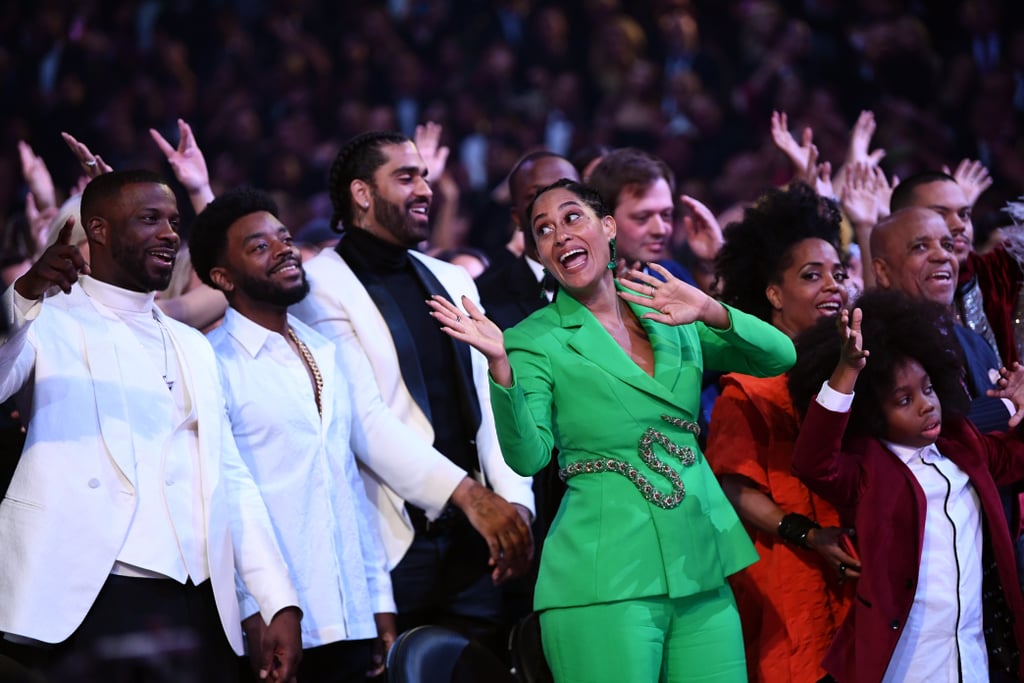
(64,236)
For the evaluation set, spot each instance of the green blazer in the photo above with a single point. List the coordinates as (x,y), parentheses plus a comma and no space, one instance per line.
(576,389)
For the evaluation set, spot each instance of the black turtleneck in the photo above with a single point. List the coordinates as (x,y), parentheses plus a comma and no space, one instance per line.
(393,269)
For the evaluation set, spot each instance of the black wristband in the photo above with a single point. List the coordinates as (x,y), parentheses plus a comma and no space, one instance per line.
(794,527)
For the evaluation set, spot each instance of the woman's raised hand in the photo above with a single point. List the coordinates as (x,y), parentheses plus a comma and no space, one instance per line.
(474,328)
(674,302)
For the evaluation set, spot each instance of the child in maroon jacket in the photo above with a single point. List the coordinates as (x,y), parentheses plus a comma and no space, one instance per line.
(937,597)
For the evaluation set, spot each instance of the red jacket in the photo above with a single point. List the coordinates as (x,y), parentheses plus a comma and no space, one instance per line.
(869,483)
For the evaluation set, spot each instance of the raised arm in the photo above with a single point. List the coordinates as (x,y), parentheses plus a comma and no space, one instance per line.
(730,339)
(818,459)
(703,233)
(797,152)
(37,177)
(972,177)
(92,164)
(477,330)
(865,200)
(674,302)
(188,163)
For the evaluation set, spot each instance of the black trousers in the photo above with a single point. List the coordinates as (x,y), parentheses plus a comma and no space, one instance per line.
(444,579)
(139,631)
(344,661)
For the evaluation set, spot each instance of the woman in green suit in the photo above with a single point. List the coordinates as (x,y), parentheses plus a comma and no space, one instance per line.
(632,578)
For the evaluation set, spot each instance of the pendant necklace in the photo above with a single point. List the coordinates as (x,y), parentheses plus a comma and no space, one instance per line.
(163,340)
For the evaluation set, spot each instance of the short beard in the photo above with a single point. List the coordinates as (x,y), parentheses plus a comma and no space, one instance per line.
(271,293)
(134,259)
(396,222)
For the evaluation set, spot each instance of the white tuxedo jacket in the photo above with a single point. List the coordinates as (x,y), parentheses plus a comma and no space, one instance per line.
(72,497)
(341,309)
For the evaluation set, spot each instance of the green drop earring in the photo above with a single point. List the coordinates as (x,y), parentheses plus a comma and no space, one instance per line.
(611,247)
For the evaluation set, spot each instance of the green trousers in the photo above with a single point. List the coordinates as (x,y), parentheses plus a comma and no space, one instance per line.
(694,639)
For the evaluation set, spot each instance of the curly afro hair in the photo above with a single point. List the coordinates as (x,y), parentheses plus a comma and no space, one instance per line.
(758,248)
(209,236)
(896,328)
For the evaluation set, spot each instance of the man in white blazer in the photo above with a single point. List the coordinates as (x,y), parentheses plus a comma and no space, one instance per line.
(130,517)
(453,516)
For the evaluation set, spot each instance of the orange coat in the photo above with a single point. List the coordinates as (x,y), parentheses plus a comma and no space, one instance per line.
(790,602)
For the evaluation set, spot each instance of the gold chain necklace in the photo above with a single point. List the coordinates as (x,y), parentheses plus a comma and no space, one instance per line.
(318,379)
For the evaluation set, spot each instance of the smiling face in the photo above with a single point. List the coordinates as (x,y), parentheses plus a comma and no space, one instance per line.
(261,264)
(140,237)
(572,241)
(913,252)
(913,413)
(947,199)
(398,198)
(644,216)
(811,285)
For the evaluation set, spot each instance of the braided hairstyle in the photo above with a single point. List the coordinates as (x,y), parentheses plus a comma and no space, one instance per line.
(358,159)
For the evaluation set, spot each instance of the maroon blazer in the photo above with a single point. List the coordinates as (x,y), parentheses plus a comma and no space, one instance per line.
(877,490)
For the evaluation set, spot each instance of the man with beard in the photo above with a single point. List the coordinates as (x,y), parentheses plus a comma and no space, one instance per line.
(130,515)
(292,411)
(453,516)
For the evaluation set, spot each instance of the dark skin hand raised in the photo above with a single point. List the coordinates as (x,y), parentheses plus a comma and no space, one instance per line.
(60,266)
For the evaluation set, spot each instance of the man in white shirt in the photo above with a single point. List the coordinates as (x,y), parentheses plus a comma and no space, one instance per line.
(130,516)
(292,410)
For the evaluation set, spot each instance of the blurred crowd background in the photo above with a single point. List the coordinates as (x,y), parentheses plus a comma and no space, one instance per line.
(273,87)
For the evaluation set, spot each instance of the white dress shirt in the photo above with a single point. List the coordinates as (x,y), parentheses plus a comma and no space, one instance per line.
(943,639)
(538,272)
(306,471)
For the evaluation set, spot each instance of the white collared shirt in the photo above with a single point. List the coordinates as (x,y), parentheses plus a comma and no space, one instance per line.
(943,638)
(305,468)
(538,272)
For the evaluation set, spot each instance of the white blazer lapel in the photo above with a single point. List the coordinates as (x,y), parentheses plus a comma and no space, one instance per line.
(105,338)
